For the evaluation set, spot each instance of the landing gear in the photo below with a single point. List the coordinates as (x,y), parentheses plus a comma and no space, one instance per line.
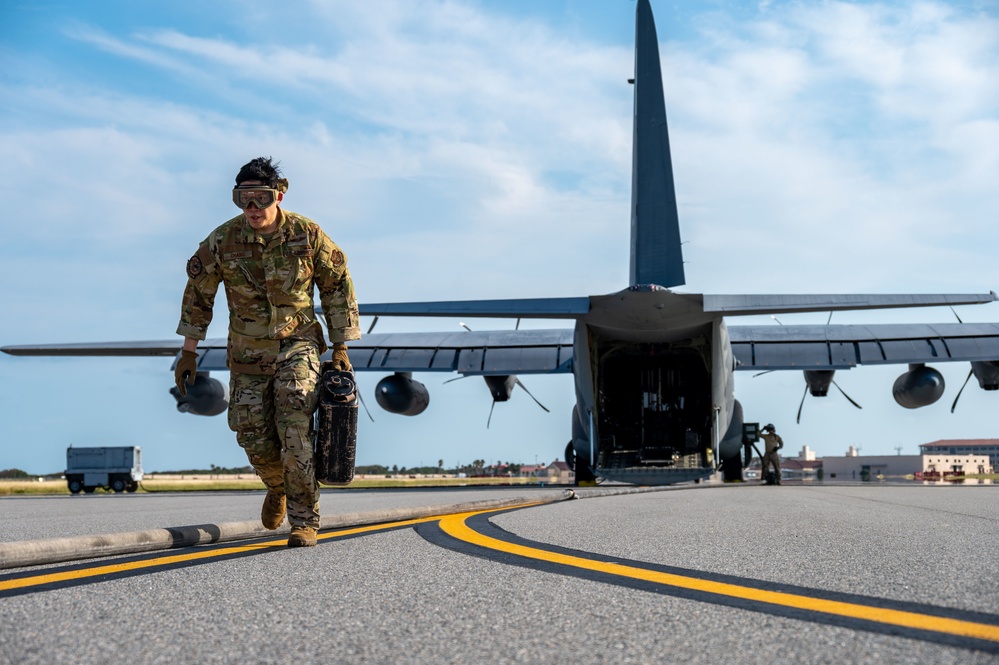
(75,486)
(584,474)
(118,485)
(732,469)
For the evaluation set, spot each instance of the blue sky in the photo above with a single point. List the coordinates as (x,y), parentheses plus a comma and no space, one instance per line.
(479,150)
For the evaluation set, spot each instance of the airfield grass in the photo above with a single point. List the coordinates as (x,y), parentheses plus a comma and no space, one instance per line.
(243,483)
(153,483)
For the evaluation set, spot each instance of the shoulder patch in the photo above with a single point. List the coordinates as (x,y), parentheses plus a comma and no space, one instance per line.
(194,267)
(336,257)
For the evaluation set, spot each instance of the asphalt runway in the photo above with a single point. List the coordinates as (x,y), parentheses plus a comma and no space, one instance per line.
(700,574)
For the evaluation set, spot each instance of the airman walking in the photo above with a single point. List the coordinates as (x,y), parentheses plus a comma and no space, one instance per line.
(270,261)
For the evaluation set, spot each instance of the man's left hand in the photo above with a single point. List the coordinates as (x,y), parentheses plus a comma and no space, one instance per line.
(186,370)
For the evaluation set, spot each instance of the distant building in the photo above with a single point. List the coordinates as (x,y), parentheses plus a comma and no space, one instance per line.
(561,472)
(852,466)
(801,469)
(556,472)
(952,447)
(533,470)
(938,459)
(791,468)
(941,466)
(806,455)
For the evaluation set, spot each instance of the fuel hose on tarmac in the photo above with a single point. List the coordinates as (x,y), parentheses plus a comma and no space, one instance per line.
(55,550)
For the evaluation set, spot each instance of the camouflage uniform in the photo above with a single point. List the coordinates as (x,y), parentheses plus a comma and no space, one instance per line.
(275,340)
(773,443)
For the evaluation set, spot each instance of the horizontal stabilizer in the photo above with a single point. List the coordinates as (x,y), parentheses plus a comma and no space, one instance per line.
(528,308)
(745,305)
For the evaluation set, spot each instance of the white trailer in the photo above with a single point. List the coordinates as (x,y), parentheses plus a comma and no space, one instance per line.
(118,468)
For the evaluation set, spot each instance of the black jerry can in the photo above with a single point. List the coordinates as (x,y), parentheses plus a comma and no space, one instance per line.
(336,429)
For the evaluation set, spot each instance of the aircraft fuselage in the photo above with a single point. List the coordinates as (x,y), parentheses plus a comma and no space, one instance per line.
(654,390)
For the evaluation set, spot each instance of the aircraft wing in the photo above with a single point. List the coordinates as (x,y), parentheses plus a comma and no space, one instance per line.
(845,346)
(473,353)
(170,347)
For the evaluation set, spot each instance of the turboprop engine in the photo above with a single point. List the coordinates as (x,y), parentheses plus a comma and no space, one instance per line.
(987,373)
(501,387)
(207,397)
(400,394)
(818,381)
(920,386)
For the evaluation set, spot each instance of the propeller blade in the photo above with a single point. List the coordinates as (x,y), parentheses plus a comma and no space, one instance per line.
(457,378)
(490,419)
(954,405)
(532,396)
(462,324)
(803,396)
(829,319)
(848,398)
(762,373)
(372,326)
(955,315)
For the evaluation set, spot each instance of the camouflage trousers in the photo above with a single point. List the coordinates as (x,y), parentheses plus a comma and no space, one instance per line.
(771,460)
(272,419)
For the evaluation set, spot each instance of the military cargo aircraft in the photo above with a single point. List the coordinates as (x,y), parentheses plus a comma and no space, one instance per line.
(653,367)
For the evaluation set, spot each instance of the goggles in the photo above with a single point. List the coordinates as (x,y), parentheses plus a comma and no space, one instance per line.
(261,197)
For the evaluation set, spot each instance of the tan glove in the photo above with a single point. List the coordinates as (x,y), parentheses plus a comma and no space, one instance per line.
(186,370)
(340,358)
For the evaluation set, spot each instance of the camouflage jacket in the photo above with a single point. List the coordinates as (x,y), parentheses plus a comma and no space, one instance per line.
(773,442)
(269,284)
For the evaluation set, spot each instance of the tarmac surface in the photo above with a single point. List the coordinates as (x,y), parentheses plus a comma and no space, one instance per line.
(828,573)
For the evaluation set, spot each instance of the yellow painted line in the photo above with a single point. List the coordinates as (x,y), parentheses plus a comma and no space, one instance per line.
(454,525)
(110,569)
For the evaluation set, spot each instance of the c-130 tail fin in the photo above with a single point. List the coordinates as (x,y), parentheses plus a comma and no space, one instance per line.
(656,255)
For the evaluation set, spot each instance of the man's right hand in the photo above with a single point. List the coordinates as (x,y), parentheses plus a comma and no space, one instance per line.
(186,370)
(340,358)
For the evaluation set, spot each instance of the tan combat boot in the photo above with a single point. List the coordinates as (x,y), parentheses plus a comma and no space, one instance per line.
(302,536)
(272,514)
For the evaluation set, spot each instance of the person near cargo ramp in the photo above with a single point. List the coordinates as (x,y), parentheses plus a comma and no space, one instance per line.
(271,261)
(771,458)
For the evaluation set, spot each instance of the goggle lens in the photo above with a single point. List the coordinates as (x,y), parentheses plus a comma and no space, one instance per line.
(261,198)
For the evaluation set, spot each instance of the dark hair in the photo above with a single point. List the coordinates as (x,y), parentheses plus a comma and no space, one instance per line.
(263,169)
